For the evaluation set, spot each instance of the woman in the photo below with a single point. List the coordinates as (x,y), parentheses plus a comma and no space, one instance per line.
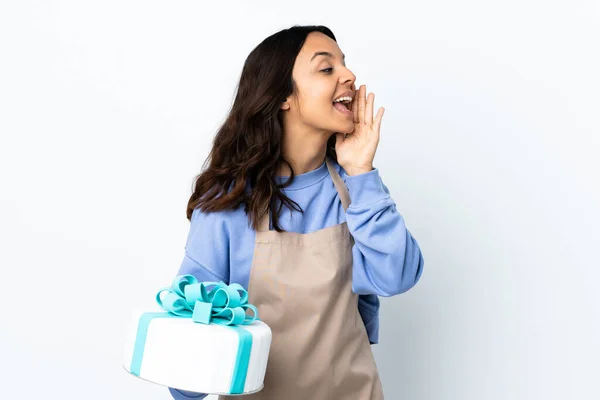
(315,275)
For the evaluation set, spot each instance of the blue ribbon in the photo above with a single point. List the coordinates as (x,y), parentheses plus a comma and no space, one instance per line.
(223,305)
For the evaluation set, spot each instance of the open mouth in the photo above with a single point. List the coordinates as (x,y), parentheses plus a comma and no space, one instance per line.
(345,104)
(342,107)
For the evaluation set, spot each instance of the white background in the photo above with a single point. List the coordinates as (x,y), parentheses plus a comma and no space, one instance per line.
(489,145)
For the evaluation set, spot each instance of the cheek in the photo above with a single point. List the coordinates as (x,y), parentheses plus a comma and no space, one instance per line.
(321,93)
(318,103)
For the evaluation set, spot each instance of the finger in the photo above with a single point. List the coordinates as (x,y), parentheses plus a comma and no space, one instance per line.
(369,109)
(354,107)
(378,117)
(361,103)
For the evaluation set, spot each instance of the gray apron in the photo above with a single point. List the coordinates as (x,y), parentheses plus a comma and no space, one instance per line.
(301,284)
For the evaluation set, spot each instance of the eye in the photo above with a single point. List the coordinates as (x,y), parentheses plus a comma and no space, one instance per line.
(326,69)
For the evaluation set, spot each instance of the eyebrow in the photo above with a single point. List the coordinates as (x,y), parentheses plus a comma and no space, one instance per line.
(326,54)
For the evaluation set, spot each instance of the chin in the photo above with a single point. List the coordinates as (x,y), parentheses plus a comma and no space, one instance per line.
(347,128)
(337,126)
(348,125)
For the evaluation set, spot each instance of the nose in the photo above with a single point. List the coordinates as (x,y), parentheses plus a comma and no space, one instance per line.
(348,77)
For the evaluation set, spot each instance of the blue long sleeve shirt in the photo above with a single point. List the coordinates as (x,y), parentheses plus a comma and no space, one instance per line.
(386,258)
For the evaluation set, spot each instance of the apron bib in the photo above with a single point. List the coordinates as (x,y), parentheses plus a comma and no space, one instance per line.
(302,287)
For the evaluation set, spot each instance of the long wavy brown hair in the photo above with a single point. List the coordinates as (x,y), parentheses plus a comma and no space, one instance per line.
(248,146)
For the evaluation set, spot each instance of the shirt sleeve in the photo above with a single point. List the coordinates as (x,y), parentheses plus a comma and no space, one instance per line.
(387,258)
(207,258)
(368,307)
(185,395)
(207,247)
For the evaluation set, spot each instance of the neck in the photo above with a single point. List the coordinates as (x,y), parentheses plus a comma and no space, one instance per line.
(305,149)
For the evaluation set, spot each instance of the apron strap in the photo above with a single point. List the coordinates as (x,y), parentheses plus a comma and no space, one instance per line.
(340,186)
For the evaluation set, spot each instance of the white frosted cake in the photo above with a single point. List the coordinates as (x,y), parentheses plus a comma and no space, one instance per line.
(214,358)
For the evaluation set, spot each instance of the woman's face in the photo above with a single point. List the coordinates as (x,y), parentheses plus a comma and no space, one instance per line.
(321,79)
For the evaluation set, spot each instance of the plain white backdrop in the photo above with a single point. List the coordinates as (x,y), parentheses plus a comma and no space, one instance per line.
(489,145)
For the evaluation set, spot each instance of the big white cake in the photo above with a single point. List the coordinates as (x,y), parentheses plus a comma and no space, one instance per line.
(212,358)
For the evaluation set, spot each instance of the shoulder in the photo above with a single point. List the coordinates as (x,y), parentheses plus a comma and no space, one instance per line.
(223,224)
(214,223)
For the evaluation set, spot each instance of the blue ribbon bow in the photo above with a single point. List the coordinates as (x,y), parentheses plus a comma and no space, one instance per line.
(223,304)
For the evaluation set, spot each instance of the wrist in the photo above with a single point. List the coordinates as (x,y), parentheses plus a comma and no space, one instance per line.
(352,171)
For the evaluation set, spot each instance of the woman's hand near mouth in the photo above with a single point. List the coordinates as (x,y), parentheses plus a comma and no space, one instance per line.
(356,150)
